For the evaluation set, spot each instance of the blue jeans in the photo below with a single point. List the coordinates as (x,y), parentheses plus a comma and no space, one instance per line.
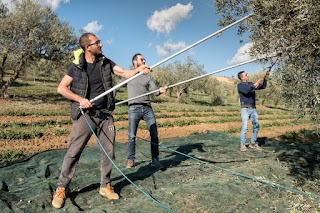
(247,113)
(137,113)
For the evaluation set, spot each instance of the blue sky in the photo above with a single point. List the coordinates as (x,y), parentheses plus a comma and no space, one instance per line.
(157,29)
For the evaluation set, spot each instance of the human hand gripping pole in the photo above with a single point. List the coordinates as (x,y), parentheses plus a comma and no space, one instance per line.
(170,57)
(266,75)
(267,72)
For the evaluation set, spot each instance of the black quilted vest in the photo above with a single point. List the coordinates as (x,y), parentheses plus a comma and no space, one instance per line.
(79,83)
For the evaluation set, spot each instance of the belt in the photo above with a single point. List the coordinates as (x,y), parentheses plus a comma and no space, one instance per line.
(249,107)
(140,104)
(98,113)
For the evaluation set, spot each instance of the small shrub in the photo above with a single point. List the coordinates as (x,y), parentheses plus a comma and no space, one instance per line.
(120,118)
(60,132)
(289,136)
(233,130)
(12,135)
(185,122)
(217,101)
(162,115)
(210,121)
(165,124)
(301,135)
(307,133)
(11,155)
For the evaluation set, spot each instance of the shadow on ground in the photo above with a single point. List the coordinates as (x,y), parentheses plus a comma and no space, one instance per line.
(203,172)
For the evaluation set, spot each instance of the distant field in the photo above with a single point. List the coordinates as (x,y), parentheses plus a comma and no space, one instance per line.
(37,119)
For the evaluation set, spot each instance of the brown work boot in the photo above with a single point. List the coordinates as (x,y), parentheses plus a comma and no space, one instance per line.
(59,197)
(130,163)
(107,191)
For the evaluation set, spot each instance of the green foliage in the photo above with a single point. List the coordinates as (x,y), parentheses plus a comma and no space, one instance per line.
(299,92)
(165,124)
(121,110)
(11,155)
(272,93)
(216,101)
(290,28)
(33,42)
(185,122)
(36,123)
(177,107)
(302,134)
(178,115)
(120,118)
(29,130)
(33,113)
(289,135)
(216,90)
(233,130)
(179,72)
(60,132)
(14,134)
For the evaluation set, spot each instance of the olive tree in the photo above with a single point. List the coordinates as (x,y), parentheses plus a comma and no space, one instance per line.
(290,29)
(31,36)
(180,71)
(217,91)
(272,94)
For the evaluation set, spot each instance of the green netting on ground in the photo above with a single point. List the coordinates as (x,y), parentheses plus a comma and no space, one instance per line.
(187,185)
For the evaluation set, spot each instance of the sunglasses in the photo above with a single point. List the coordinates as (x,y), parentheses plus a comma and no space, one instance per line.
(95,43)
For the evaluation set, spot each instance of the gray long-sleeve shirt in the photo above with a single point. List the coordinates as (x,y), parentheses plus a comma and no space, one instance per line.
(138,86)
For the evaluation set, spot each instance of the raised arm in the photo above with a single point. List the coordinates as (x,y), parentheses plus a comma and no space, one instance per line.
(263,81)
(129,73)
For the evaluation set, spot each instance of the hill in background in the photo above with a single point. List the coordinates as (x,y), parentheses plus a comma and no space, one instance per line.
(228,80)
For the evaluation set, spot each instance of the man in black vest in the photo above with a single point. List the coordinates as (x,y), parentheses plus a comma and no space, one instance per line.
(89,76)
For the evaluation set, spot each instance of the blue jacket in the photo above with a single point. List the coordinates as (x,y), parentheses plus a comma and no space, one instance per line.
(247,93)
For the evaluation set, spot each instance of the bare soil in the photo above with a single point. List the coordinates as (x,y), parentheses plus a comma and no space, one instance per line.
(50,141)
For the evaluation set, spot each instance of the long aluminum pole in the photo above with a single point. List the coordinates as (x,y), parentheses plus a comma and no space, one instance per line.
(186,81)
(168,58)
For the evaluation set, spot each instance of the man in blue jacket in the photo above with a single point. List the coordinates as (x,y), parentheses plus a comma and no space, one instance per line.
(247,93)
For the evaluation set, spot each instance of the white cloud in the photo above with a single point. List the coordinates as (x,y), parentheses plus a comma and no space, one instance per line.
(53,3)
(108,41)
(167,19)
(168,47)
(8,3)
(92,27)
(242,54)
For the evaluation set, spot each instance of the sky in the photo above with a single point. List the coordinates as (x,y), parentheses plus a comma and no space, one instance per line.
(157,30)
